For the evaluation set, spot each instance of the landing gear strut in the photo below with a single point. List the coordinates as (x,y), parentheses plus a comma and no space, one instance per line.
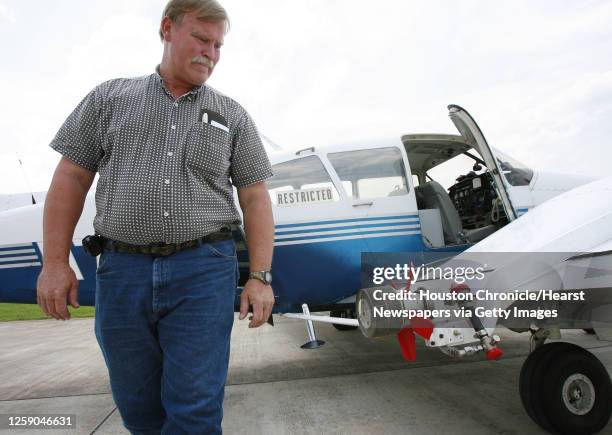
(565,389)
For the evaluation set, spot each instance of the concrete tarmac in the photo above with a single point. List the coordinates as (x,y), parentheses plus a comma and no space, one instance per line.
(351,385)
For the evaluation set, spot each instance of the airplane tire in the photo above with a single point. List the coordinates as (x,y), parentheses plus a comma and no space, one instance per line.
(374,326)
(530,386)
(345,314)
(578,393)
(566,389)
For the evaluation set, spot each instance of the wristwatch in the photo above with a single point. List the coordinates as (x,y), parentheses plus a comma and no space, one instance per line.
(264,276)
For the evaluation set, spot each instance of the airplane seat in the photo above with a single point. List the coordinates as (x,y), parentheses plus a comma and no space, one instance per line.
(420,199)
(477,234)
(435,196)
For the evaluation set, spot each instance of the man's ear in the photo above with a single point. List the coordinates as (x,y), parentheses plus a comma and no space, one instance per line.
(166,27)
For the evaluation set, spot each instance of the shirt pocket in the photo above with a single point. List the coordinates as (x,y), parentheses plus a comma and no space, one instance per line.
(208,150)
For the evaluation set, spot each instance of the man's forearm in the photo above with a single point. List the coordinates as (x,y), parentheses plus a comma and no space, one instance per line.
(259,228)
(63,207)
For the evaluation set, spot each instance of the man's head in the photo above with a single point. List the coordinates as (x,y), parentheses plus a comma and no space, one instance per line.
(192,32)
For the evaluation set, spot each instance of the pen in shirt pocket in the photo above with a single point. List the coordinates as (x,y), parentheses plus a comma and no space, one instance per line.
(214,119)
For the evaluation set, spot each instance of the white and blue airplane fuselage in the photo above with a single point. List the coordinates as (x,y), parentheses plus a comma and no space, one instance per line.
(331,204)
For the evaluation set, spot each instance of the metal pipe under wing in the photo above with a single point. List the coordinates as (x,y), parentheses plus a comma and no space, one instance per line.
(324,319)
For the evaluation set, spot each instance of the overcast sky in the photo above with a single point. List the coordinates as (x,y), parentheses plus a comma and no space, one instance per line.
(536,75)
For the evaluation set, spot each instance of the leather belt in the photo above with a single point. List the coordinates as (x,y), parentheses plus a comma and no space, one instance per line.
(165,249)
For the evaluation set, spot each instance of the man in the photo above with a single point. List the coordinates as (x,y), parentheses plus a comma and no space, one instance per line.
(166,147)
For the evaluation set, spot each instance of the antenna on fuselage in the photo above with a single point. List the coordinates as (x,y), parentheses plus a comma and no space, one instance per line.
(25,176)
(273,145)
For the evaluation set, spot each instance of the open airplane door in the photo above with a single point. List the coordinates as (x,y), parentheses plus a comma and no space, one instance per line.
(473,135)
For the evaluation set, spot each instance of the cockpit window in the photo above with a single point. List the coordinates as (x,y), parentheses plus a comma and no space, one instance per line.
(516,173)
(373,173)
(300,182)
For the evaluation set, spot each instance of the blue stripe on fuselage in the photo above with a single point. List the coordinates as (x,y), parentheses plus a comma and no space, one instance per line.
(341,221)
(350,227)
(18,284)
(343,234)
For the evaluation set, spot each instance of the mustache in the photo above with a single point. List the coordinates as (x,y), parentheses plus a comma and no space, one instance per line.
(203,61)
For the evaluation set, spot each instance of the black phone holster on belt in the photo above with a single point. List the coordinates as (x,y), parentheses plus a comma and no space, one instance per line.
(93,245)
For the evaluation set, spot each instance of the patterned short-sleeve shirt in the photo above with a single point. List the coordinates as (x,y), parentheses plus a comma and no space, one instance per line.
(166,166)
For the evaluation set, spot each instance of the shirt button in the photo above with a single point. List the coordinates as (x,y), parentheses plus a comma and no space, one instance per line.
(175,104)
(173,127)
(167,181)
(166,214)
(170,153)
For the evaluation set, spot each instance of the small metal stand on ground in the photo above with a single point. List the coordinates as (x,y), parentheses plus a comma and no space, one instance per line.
(313,343)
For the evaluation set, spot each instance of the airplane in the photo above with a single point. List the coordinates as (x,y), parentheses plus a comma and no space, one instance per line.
(548,271)
(14,200)
(331,204)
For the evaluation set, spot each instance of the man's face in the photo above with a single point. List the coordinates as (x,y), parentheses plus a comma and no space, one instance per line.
(194,48)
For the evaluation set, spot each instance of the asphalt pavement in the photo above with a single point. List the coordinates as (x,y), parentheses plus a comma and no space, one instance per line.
(351,385)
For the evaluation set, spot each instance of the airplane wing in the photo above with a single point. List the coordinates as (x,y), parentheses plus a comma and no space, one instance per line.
(15,200)
(563,246)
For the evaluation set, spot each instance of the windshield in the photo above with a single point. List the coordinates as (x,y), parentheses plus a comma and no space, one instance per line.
(516,173)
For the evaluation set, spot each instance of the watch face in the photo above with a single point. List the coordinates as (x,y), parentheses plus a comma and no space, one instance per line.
(264,276)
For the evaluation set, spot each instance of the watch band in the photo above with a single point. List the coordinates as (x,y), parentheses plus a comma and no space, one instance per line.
(264,276)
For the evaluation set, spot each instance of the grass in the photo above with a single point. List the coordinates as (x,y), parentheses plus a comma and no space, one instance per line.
(10,312)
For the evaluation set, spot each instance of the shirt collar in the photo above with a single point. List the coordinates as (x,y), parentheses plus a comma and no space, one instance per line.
(195,91)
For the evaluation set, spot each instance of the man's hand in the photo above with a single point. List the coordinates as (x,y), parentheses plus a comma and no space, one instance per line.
(57,285)
(57,282)
(259,228)
(261,297)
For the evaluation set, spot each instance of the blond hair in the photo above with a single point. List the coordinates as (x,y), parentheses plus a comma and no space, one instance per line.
(208,10)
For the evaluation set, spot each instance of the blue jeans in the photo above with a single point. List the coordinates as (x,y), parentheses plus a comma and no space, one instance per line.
(164,324)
